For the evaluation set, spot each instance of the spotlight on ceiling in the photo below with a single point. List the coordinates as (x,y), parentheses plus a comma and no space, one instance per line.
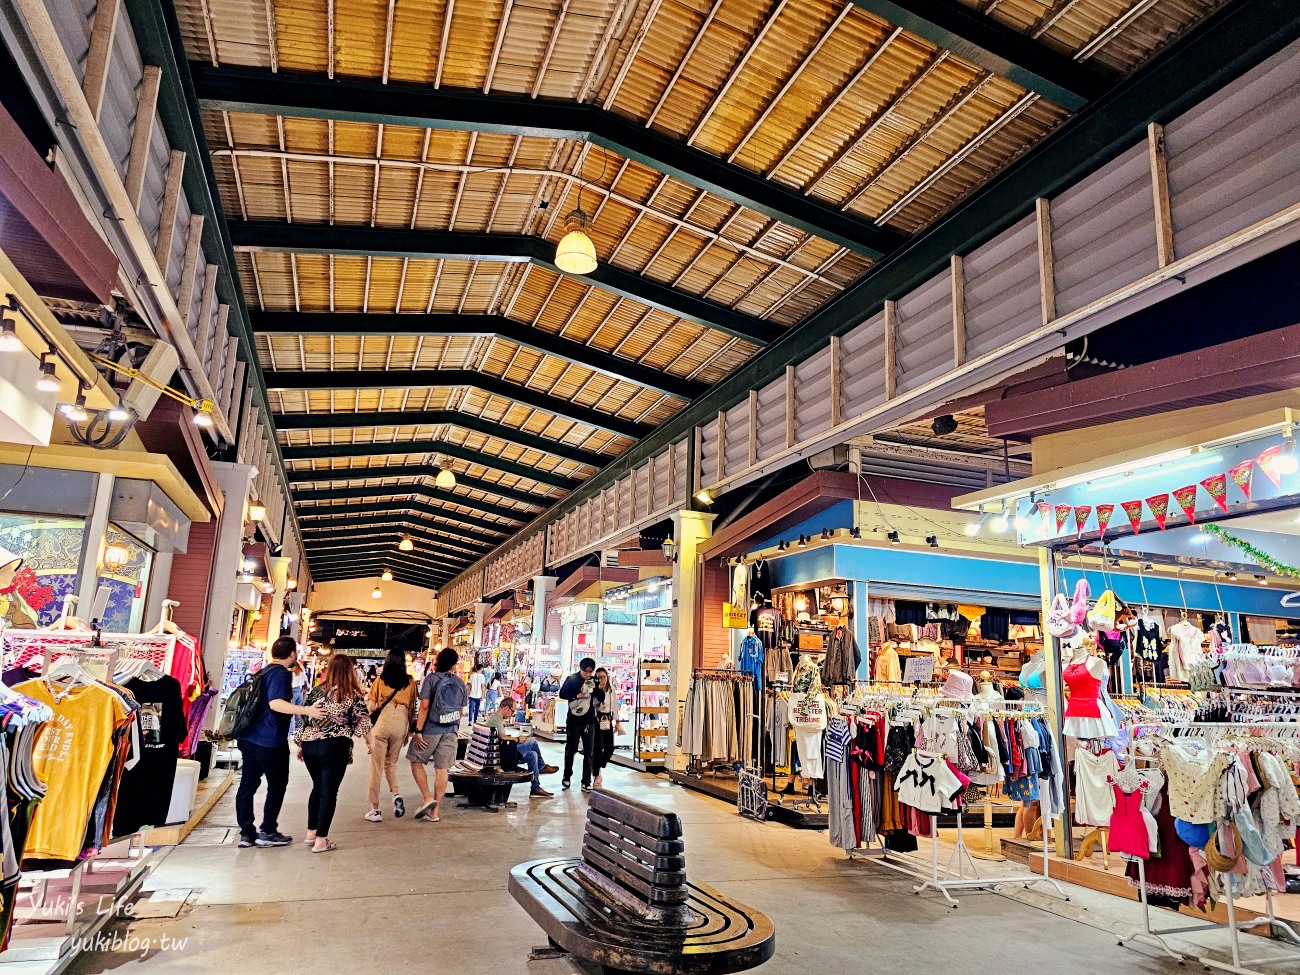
(855,532)
(893,537)
(803,540)
(932,541)
(944,425)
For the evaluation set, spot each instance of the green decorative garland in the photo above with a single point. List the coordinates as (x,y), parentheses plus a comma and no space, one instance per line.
(1262,558)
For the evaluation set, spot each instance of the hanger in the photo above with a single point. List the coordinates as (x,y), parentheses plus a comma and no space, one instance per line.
(165,623)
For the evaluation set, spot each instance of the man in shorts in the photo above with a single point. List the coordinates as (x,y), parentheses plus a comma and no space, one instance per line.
(437,726)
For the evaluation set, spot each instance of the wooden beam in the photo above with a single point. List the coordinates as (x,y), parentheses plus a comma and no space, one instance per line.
(190,270)
(891,348)
(215,362)
(207,315)
(1046,270)
(753,427)
(102,32)
(958,310)
(1160,192)
(837,353)
(162,247)
(789,406)
(146,111)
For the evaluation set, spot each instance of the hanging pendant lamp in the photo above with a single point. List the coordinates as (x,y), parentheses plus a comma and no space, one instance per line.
(576,254)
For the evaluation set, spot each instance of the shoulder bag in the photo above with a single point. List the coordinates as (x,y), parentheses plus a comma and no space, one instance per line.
(374,715)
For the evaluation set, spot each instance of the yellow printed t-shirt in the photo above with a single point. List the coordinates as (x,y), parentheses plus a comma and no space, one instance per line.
(71,755)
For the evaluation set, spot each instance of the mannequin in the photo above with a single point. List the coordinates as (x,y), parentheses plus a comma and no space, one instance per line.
(987,692)
(1032,679)
(1085,675)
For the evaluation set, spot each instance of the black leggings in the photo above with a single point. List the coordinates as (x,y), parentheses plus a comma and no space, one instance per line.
(574,732)
(604,748)
(326,760)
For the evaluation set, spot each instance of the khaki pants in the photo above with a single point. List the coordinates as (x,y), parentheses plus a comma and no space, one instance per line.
(388,736)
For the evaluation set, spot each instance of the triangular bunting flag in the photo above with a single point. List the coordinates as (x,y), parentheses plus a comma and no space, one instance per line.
(1134,511)
(1104,511)
(1159,505)
(1217,488)
(1268,464)
(1062,514)
(1081,514)
(1242,475)
(1186,498)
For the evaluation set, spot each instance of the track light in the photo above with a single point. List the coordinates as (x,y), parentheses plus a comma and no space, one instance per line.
(1261,579)
(893,537)
(703,496)
(803,541)
(49,381)
(1230,576)
(1001,523)
(826,535)
(9,340)
(75,412)
(781,546)
(855,532)
(406,544)
(1287,462)
(1148,566)
(1021,522)
(973,528)
(119,414)
(932,541)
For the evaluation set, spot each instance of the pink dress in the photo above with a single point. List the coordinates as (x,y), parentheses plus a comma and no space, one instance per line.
(1128,830)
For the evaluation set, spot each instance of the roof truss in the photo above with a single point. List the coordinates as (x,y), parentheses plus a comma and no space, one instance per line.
(413,470)
(474,326)
(392,527)
(384,551)
(327,570)
(309,508)
(309,512)
(409,490)
(456,379)
(273,93)
(308,451)
(466,421)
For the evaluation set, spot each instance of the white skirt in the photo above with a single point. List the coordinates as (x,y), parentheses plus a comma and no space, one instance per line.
(1103,727)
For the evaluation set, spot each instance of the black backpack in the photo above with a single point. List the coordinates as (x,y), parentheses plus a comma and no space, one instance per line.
(244,708)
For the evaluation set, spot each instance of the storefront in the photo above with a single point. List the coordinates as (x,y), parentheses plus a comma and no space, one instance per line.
(639,668)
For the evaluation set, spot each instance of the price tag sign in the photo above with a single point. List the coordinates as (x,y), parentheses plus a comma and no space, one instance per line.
(918,670)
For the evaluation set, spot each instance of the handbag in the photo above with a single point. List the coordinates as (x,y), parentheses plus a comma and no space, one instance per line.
(374,715)
(1059,623)
(1102,616)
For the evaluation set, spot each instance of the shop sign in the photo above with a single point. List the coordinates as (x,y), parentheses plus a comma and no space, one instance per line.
(918,670)
(734,617)
(579,613)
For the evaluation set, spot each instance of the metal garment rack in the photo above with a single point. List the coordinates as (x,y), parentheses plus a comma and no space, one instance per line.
(1234,927)
(960,872)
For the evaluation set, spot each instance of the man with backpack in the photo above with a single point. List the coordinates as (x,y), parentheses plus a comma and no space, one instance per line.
(580,727)
(443,697)
(262,731)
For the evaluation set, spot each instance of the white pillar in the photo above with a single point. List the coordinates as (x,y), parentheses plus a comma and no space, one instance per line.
(543,586)
(690,529)
(234,481)
(92,544)
(480,613)
(160,576)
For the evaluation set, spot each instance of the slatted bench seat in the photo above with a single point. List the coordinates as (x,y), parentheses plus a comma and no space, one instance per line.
(627,906)
(479,776)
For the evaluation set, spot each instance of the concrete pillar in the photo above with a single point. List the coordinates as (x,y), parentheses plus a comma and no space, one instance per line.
(159,582)
(234,481)
(543,586)
(92,545)
(480,614)
(690,529)
(858,605)
(448,625)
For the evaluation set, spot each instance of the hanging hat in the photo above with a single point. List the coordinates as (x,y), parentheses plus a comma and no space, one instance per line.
(958,686)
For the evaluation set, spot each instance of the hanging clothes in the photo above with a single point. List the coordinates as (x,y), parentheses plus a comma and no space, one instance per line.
(144,795)
(840,665)
(888,667)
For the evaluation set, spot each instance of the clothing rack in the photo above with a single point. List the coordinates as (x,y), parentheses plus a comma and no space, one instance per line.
(1157,937)
(960,872)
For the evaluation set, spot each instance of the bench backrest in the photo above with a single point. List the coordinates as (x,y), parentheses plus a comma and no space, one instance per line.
(633,857)
(484,748)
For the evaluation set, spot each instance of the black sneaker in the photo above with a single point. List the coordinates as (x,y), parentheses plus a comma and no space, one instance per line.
(273,839)
(566,783)
(246,841)
(586,787)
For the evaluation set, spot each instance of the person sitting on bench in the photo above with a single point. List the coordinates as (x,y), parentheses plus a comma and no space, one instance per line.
(502,721)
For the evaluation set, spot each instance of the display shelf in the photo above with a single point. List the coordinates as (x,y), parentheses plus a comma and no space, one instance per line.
(652,732)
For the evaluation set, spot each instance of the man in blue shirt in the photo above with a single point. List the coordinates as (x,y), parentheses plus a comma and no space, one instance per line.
(265,749)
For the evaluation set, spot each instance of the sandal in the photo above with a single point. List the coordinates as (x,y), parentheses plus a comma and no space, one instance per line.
(326,848)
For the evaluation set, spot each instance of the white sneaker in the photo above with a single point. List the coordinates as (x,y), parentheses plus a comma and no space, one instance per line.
(373,816)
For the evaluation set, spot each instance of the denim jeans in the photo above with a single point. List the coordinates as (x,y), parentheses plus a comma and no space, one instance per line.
(475,705)
(530,754)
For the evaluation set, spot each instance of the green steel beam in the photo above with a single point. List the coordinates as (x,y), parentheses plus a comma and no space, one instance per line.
(456,379)
(433,418)
(408,490)
(299,238)
(310,451)
(312,507)
(477,326)
(416,470)
(318,514)
(392,527)
(342,552)
(263,92)
(329,571)
(997,48)
(1224,46)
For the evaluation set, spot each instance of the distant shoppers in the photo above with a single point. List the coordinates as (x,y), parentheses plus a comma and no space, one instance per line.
(442,701)
(607,724)
(493,698)
(577,689)
(501,721)
(265,749)
(393,695)
(477,686)
(325,746)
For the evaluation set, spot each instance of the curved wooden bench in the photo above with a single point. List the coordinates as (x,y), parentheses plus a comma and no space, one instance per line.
(627,906)
(479,776)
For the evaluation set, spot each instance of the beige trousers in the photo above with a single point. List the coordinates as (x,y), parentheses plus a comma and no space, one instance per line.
(388,735)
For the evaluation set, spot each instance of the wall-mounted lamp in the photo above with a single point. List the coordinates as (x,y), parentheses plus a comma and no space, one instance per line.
(116,556)
(256,511)
(703,496)
(669,548)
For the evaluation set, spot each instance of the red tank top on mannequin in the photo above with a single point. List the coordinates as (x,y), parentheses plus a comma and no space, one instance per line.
(1084,692)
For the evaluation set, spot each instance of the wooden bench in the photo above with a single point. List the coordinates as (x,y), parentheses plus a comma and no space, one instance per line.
(479,776)
(627,906)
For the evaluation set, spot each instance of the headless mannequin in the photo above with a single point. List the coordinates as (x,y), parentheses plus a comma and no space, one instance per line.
(1081,652)
(987,691)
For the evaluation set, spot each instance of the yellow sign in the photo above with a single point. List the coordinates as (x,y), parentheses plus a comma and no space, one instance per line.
(734,617)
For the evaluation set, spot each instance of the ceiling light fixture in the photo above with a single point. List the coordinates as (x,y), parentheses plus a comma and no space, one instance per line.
(826,534)
(932,541)
(973,528)
(703,496)
(406,544)
(1230,576)
(781,546)
(203,414)
(9,340)
(944,425)
(1001,523)
(893,537)
(1261,579)
(445,478)
(256,511)
(291,584)
(1287,463)
(119,414)
(376,593)
(387,576)
(803,540)
(49,380)
(116,556)
(575,253)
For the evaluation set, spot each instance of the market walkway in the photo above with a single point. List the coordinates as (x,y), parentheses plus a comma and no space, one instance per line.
(402,896)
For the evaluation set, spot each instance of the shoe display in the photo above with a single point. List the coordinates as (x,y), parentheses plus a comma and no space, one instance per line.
(373,816)
(273,839)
